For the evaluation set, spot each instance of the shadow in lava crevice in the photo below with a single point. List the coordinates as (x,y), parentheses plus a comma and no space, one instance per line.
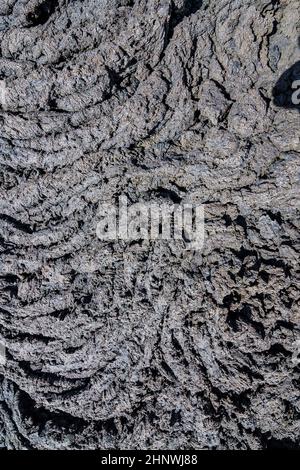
(286,93)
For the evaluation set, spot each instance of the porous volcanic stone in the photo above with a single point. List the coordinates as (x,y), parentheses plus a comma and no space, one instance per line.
(148,345)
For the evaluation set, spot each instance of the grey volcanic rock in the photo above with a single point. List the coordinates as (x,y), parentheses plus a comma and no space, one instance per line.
(147,345)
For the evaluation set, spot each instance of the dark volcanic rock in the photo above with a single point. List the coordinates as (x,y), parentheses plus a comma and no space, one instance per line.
(148,345)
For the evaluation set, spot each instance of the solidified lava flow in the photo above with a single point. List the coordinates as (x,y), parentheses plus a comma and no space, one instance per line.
(146,344)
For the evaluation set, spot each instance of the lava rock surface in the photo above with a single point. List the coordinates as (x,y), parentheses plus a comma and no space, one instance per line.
(147,345)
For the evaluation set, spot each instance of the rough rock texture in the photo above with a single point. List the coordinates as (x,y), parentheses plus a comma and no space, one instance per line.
(146,345)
